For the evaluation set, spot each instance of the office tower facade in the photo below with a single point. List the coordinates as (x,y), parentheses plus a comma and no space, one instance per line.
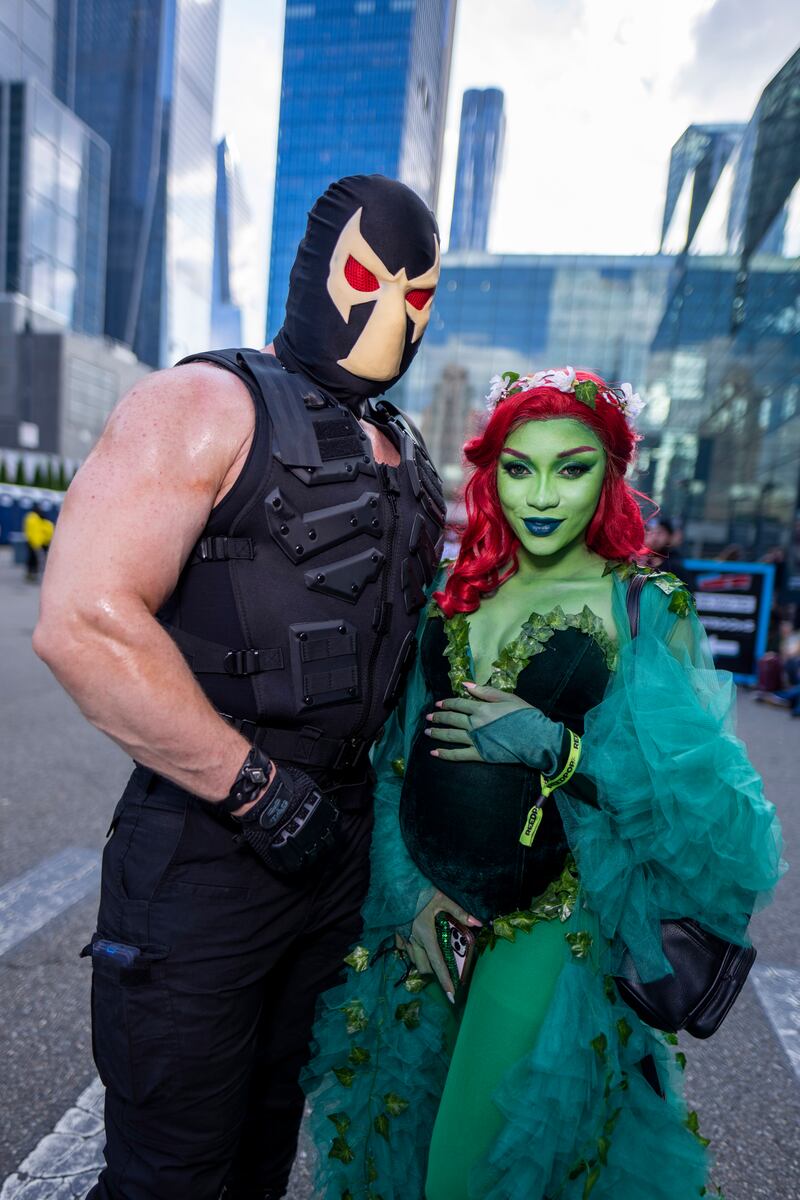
(504,312)
(726,356)
(53,208)
(696,163)
(364,91)
(27,40)
(480,155)
(238,278)
(142,74)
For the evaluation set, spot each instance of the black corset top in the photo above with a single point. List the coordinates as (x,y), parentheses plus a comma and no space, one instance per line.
(461,822)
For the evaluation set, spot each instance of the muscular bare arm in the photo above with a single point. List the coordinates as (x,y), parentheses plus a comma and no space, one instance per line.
(171,450)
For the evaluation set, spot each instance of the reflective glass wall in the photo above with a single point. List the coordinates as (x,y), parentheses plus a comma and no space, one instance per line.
(480,153)
(725,367)
(495,313)
(142,73)
(54,207)
(364,90)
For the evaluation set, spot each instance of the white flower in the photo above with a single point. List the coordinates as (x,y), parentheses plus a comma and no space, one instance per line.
(563,379)
(630,402)
(497,387)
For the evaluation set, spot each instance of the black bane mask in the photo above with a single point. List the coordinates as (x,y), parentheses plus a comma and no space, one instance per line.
(361,288)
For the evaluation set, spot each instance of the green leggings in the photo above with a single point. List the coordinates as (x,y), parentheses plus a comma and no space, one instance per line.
(508,999)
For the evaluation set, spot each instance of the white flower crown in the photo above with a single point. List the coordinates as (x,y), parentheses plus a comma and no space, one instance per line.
(623,397)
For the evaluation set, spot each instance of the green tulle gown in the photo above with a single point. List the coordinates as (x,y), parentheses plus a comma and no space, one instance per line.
(535,1088)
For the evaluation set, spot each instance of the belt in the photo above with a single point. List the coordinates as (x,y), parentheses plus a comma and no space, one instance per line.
(308,746)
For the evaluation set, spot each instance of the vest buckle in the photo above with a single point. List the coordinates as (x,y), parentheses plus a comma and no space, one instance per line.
(241,662)
(350,754)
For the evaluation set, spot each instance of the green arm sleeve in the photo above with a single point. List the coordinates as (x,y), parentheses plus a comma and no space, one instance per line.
(682,827)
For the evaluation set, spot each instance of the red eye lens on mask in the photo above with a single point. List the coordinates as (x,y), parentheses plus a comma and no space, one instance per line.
(419,297)
(359,277)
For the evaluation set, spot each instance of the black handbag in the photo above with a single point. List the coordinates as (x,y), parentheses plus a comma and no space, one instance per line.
(709,972)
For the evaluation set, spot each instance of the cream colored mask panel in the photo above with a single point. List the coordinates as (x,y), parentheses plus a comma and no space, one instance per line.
(357,276)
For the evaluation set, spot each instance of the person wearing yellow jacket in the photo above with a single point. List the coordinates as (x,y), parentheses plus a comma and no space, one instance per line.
(38,532)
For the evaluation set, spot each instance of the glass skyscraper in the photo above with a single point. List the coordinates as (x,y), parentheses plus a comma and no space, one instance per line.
(53,181)
(364,91)
(480,154)
(27,40)
(495,313)
(726,358)
(53,207)
(142,74)
(237,274)
(696,163)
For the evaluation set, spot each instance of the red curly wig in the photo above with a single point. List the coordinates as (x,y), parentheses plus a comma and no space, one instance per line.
(616,530)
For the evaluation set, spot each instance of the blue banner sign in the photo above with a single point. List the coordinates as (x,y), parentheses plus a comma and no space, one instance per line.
(733,602)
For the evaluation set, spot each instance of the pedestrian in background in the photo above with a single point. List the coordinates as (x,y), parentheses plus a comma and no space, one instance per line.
(38,532)
(663,541)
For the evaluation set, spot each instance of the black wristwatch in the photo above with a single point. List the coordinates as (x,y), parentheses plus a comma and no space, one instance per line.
(252,778)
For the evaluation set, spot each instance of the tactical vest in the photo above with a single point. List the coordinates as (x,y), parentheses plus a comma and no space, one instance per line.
(296,609)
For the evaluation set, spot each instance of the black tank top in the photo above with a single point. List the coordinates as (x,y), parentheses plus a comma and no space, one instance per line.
(461,822)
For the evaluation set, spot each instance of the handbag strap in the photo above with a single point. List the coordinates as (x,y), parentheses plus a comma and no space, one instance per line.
(632,601)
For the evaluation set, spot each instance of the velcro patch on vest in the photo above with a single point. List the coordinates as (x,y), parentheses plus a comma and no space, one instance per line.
(347,579)
(324,658)
(337,437)
(302,535)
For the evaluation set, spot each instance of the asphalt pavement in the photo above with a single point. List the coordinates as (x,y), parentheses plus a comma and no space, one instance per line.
(59,782)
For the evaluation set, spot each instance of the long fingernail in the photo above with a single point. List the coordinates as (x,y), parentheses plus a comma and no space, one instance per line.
(434,753)
(450,997)
(428,732)
(438,704)
(474,921)
(429,716)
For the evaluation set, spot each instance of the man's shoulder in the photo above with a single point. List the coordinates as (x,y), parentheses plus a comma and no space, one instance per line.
(193,395)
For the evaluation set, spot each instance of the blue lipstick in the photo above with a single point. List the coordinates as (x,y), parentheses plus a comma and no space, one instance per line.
(542,526)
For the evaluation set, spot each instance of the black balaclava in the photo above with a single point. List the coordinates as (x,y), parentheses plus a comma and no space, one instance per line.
(361,288)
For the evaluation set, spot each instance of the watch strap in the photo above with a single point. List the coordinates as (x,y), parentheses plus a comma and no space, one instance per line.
(252,778)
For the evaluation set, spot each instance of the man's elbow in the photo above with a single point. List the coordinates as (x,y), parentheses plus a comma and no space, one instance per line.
(53,640)
(63,637)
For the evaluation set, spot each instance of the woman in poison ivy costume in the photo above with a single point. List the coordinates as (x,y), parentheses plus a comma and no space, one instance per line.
(562,788)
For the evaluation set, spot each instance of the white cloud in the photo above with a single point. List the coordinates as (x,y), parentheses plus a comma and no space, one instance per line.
(597,91)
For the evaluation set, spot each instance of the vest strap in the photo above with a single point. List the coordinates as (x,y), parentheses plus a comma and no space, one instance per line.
(221,549)
(209,658)
(307,746)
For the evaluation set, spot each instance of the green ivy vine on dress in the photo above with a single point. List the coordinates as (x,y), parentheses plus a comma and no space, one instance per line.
(540,627)
(532,639)
(681,599)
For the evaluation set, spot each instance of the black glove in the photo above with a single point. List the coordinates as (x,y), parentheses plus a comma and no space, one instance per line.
(292,825)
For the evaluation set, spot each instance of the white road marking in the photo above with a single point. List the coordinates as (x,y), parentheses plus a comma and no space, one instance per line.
(66,1162)
(778,989)
(31,900)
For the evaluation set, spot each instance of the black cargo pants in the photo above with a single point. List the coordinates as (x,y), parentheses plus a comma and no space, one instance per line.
(200,1040)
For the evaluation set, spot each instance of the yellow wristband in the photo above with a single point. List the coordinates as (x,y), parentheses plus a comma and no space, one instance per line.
(569,768)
